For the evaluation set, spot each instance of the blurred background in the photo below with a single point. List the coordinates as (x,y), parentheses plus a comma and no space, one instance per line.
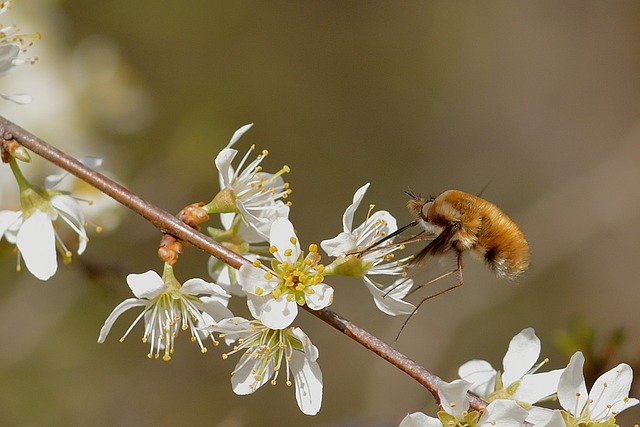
(539,99)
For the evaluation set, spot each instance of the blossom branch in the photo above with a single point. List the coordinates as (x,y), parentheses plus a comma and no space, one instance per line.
(169,224)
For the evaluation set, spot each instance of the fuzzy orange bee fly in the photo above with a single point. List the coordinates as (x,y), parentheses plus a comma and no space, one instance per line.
(457,222)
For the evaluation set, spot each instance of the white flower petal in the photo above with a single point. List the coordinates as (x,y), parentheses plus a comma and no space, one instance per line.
(223,164)
(321,297)
(146,285)
(543,417)
(308,383)
(71,213)
(7,219)
(572,390)
(386,302)
(537,387)
(609,392)
(243,380)
(37,243)
(52,180)
(481,374)
(215,309)
(120,308)
(347,218)
(273,313)
(418,419)
(197,286)
(400,288)
(18,98)
(310,350)
(253,281)
(238,134)
(8,52)
(281,237)
(453,397)
(523,352)
(503,413)
(256,224)
(339,245)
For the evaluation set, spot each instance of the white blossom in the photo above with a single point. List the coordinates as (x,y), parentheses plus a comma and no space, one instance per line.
(168,308)
(353,258)
(250,199)
(265,350)
(33,228)
(519,380)
(273,294)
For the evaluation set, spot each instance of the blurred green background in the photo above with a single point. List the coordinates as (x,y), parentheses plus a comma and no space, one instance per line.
(539,99)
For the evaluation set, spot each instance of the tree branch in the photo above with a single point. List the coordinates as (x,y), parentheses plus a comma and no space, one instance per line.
(167,223)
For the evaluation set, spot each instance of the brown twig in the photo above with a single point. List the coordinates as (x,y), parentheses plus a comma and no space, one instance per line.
(167,223)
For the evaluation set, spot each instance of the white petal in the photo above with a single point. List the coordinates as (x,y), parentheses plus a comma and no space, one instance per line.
(233,328)
(310,350)
(481,374)
(418,419)
(503,413)
(215,309)
(244,380)
(308,382)
(609,392)
(274,313)
(18,98)
(7,219)
(146,285)
(453,397)
(321,297)
(572,390)
(37,243)
(537,387)
(339,245)
(281,237)
(54,179)
(257,222)
(238,134)
(198,286)
(8,52)
(71,213)
(227,219)
(253,281)
(223,164)
(121,308)
(386,302)
(523,352)
(347,218)
(543,417)
(400,288)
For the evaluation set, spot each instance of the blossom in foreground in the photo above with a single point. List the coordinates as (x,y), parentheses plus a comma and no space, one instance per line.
(168,308)
(519,380)
(273,294)
(352,258)
(454,405)
(12,44)
(608,397)
(33,228)
(265,350)
(249,199)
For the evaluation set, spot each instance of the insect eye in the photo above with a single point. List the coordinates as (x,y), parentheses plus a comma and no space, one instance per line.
(425,210)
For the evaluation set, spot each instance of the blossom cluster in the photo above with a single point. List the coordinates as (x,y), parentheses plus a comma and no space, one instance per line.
(280,277)
(513,395)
